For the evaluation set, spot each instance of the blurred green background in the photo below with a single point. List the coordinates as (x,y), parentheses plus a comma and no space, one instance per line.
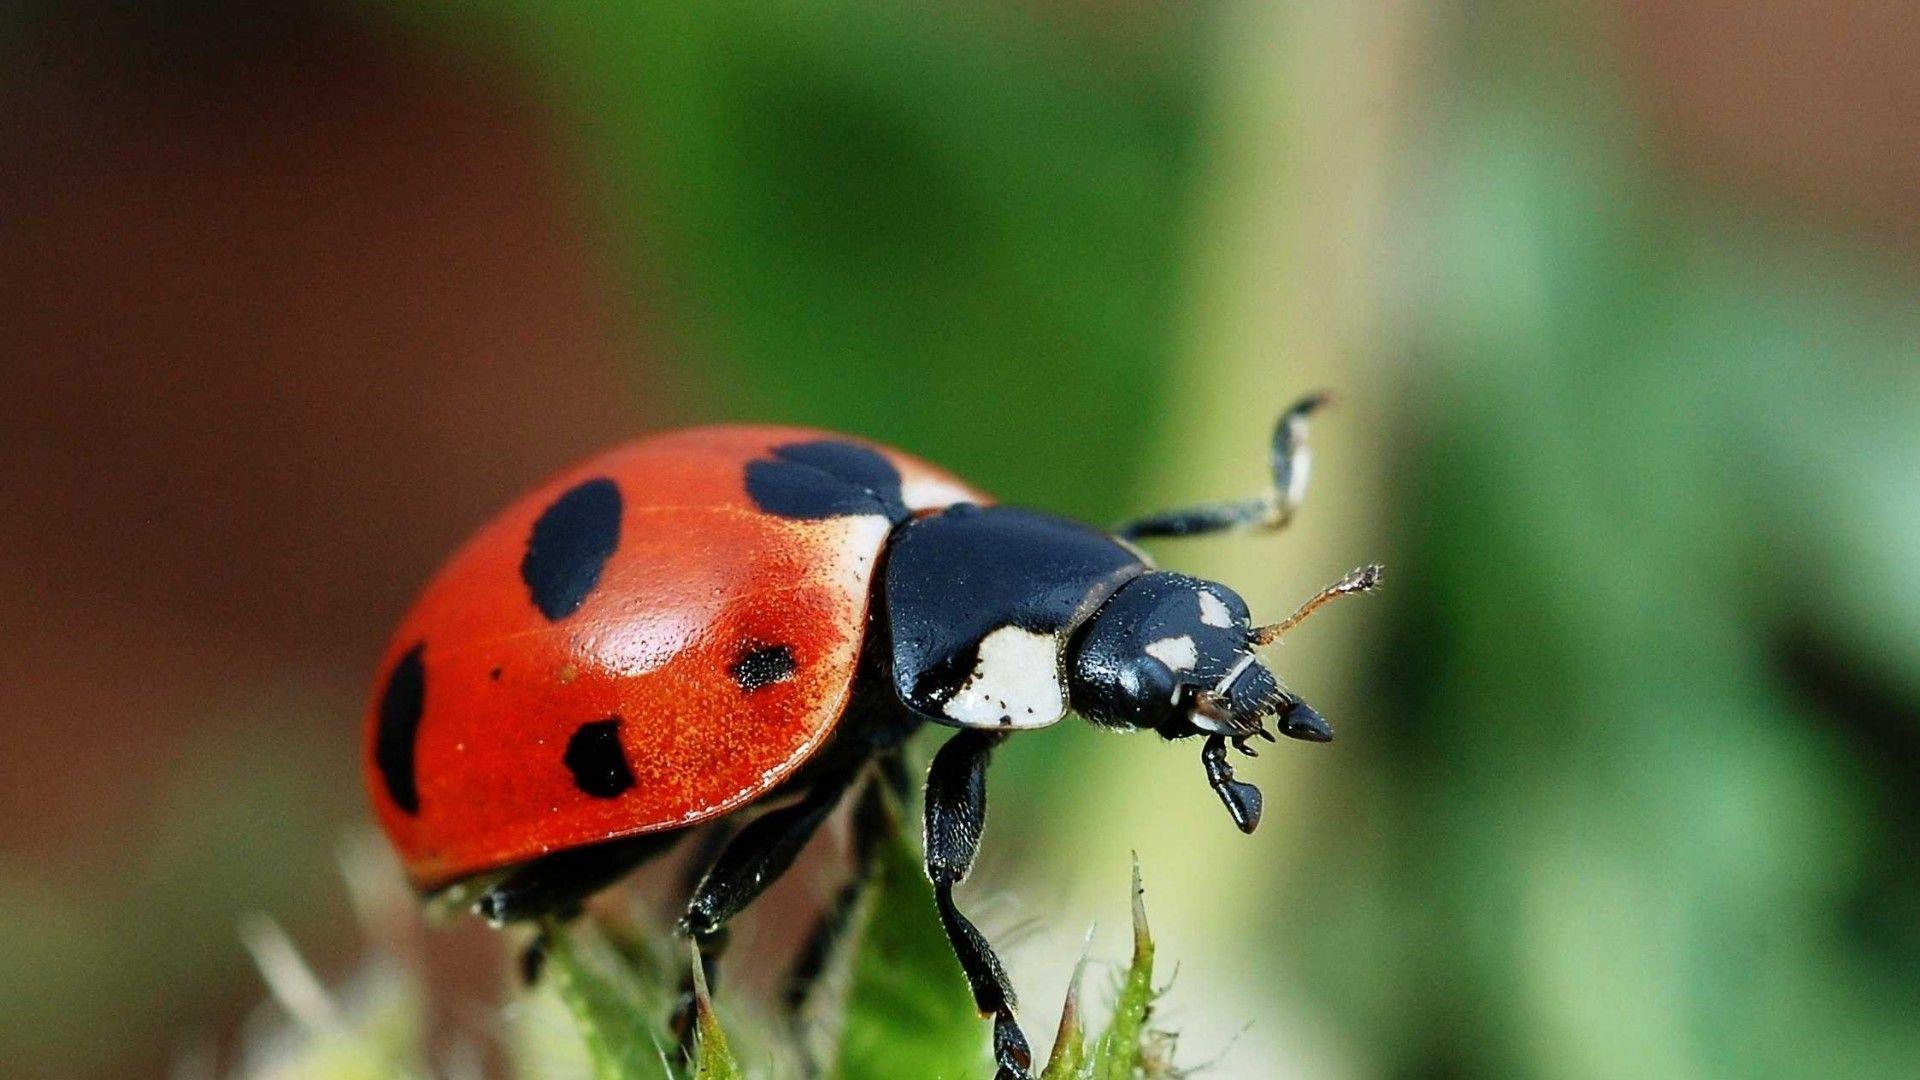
(1619,300)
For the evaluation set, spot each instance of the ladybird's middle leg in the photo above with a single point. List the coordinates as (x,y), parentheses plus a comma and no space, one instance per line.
(956,814)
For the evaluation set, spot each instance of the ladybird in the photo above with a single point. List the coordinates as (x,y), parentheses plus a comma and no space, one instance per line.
(734,630)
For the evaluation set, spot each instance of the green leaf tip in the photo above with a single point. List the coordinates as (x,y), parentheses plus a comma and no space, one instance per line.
(1069,1056)
(1142,938)
(712,1058)
(1122,1051)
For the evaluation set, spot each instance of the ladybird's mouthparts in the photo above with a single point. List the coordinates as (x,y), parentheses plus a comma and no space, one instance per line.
(1234,714)
(1239,705)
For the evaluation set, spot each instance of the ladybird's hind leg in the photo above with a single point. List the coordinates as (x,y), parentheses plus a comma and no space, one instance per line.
(956,814)
(1273,510)
(713,840)
(555,888)
(752,859)
(875,821)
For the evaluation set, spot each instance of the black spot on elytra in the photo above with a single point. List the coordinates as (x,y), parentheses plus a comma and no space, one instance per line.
(826,479)
(569,546)
(596,759)
(762,665)
(495,674)
(401,703)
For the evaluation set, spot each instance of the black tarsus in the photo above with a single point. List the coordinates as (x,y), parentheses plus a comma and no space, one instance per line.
(710,841)
(1270,511)
(1290,437)
(956,813)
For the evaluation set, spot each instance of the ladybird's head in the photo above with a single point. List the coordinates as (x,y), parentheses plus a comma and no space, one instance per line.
(1178,655)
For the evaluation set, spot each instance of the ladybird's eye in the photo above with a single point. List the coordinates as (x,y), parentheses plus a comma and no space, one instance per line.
(1151,686)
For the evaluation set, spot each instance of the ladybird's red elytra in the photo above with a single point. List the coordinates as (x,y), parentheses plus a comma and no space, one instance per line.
(677,629)
(645,584)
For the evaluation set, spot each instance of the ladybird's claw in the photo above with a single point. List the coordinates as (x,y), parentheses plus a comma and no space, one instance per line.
(533,959)
(1010,1050)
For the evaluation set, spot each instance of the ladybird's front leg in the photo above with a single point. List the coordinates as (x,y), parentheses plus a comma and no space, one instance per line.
(956,814)
(1287,458)
(1242,799)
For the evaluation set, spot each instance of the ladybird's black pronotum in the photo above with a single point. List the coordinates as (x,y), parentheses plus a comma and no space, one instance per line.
(736,621)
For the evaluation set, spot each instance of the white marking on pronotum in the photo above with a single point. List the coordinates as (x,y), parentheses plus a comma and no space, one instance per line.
(1213,610)
(1015,683)
(1178,653)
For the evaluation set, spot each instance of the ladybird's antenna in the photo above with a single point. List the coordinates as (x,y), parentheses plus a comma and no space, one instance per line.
(1361,580)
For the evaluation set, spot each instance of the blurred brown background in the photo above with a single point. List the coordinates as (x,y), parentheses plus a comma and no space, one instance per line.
(295,293)
(291,305)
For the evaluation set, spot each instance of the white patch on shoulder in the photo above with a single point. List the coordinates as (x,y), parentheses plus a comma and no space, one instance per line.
(1015,683)
(1177,653)
(932,493)
(1213,610)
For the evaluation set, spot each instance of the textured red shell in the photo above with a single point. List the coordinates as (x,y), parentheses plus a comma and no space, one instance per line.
(708,648)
